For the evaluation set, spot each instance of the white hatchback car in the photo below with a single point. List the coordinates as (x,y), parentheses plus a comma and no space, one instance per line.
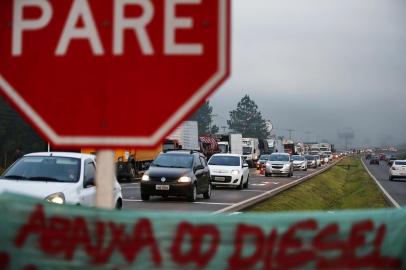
(56,177)
(397,170)
(229,170)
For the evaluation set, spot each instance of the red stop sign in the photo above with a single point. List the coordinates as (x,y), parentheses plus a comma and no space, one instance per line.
(108,73)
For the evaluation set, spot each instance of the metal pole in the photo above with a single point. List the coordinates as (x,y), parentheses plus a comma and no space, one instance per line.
(105,179)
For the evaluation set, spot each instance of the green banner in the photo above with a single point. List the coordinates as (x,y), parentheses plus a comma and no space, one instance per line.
(38,235)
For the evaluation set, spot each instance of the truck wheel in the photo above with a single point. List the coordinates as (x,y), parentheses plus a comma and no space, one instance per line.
(144,197)
(207,194)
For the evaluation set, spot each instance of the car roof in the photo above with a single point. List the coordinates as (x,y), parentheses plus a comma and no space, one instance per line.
(285,154)
(61,154)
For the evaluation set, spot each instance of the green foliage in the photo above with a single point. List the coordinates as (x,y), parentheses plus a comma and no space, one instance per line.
(14,132)
(336,189)
(203,116)
(247,120)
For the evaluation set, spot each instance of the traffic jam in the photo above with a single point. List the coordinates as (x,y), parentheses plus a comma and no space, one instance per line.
(209,170)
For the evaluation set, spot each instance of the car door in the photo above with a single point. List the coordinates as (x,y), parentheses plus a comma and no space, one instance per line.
(88,192)
(206,173)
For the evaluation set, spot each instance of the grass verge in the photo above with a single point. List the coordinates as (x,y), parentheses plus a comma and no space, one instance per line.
(339,188)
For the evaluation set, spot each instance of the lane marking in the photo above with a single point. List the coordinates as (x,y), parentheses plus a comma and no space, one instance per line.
(389,197)
(209,203)
(130,185)
(213,203)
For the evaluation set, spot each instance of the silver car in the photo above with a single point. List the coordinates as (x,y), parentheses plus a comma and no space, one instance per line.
(279,164)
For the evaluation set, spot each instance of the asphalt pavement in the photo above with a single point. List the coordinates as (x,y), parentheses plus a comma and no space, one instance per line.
(396,189)
(221,197)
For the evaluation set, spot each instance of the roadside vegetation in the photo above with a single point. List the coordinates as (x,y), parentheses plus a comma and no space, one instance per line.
(341,187)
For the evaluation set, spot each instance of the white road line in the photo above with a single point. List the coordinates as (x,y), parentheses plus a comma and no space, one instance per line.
(130,185)
(210,203)
(380,186)
(213,203)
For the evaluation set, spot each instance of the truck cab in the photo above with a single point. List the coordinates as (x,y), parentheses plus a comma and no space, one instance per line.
(251,152)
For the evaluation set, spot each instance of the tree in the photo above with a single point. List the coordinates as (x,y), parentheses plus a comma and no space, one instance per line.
(14,132)
(248,120)
(203,116)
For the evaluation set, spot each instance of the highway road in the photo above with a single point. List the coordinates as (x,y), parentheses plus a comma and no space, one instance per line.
(221,199)
(396,189)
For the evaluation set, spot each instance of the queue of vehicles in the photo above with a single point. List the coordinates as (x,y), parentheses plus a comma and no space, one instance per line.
(184,165)
(397,167)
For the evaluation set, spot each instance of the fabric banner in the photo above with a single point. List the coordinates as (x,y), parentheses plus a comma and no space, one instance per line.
(38,235)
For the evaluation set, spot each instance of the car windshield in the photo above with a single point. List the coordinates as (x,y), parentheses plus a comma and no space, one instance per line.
(54,169)
(298,158)
(279,158)
(310,157)
(173,161)
(225,161)
(264,157)
(246,150)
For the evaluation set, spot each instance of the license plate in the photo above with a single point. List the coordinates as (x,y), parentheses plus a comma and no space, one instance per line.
(219,179)
(162,187)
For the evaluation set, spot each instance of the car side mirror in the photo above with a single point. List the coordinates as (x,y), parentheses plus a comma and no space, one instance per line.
(245,165)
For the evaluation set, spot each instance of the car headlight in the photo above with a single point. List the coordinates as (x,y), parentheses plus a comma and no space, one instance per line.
(57,198)
(235,172)
(185,179)
(268,163)
(145,177)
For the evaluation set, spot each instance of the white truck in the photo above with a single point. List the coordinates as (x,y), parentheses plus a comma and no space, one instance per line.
(250,150)
(231,143)
(186,135)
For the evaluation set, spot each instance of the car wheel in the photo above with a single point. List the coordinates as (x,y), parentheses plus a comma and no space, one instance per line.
(246,184)
(390,178)
(240,186)
(267,174)
(193,194)
(207,194)
(144,196)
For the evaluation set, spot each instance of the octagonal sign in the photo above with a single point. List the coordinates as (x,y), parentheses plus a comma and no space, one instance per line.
(111,73)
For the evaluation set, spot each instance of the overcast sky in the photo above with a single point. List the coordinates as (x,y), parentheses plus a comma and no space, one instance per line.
(321,66)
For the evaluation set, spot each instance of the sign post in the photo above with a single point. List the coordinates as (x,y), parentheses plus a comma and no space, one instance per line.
(104,179)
